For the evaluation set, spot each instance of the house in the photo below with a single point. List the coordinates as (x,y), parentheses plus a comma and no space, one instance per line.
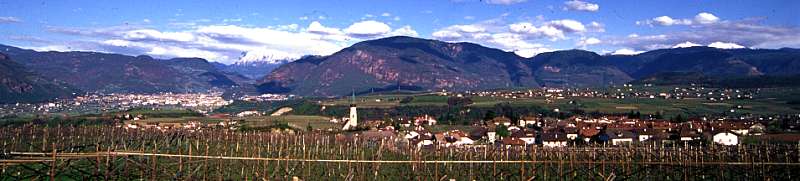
(424,140)
(620,137)
(502,120)
(458,138)
(528,120)
(248,113)
(588,132)
(726,138)
(440,139)
(757,129)
(740,128)
(478,133)
(405,123)
(554,139)
(529,136)
(512,141)
(411,135)
(688,135)
(572,133)
(491,136)
(424,120)
(645,134)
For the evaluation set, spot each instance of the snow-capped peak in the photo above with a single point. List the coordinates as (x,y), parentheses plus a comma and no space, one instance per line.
(266,56)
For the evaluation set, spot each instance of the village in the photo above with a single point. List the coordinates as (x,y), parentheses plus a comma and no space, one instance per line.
(536,131)
(96,103)
(643,91)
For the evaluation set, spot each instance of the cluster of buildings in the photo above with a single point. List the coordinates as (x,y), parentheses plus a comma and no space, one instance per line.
(621,92)
(577,130)
(201,102)
(266,97)
(95,103)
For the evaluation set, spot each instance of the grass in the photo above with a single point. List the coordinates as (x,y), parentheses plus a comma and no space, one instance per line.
(769,101)
(300,122)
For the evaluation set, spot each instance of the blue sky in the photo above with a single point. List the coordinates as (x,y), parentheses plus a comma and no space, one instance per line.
(221,31)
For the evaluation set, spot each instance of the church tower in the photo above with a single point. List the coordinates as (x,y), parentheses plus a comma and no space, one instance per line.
(353,121)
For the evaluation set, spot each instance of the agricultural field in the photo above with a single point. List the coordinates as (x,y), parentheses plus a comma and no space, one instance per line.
(110,153)
(770,101)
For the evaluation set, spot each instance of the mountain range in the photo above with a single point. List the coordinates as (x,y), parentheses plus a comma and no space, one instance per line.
(406,63)
(257,64)
(115,73)
(388,64)
(18,84)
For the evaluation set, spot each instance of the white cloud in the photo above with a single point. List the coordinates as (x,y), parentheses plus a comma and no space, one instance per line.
(226,43)
(700,18)
(669,21)
(581,6)
(517,44)
(268,55)
(469,17)
(747,33)
(289,27)
(386,14)
(725,45)
(10,19)
(520,38)
(597,27)
(404,31)
(588,41)
(468,28)
(504,2)
(706,18)
(446,35)
(368,28)
(568,25)
(155,35)
(686,45)
(316,27)
(396,18)
(303,18)
(626,51)
(544,31)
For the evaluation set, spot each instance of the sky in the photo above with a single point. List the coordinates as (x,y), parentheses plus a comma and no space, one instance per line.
(231,31)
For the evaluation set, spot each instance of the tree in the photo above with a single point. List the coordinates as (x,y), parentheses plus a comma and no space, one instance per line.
(502,131)
(458,101)
(489,115)
(407,100)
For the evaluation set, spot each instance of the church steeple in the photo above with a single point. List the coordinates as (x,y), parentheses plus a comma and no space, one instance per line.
(352,122)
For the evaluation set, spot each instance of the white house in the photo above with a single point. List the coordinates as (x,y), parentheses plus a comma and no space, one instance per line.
(492,136)
(726,138)
(621,137)
(554,140)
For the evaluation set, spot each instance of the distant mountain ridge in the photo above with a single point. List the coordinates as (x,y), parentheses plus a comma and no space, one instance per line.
(18,84)
(257,64)
(400,62)
(115,73)
(429,65)
(389,64)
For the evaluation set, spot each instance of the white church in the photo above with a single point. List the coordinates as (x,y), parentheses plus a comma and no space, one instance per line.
(352,122)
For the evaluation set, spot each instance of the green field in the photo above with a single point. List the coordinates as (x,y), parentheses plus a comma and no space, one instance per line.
(769,101)
(300,122)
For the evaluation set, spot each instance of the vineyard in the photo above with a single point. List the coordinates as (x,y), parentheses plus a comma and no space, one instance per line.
(112,153)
